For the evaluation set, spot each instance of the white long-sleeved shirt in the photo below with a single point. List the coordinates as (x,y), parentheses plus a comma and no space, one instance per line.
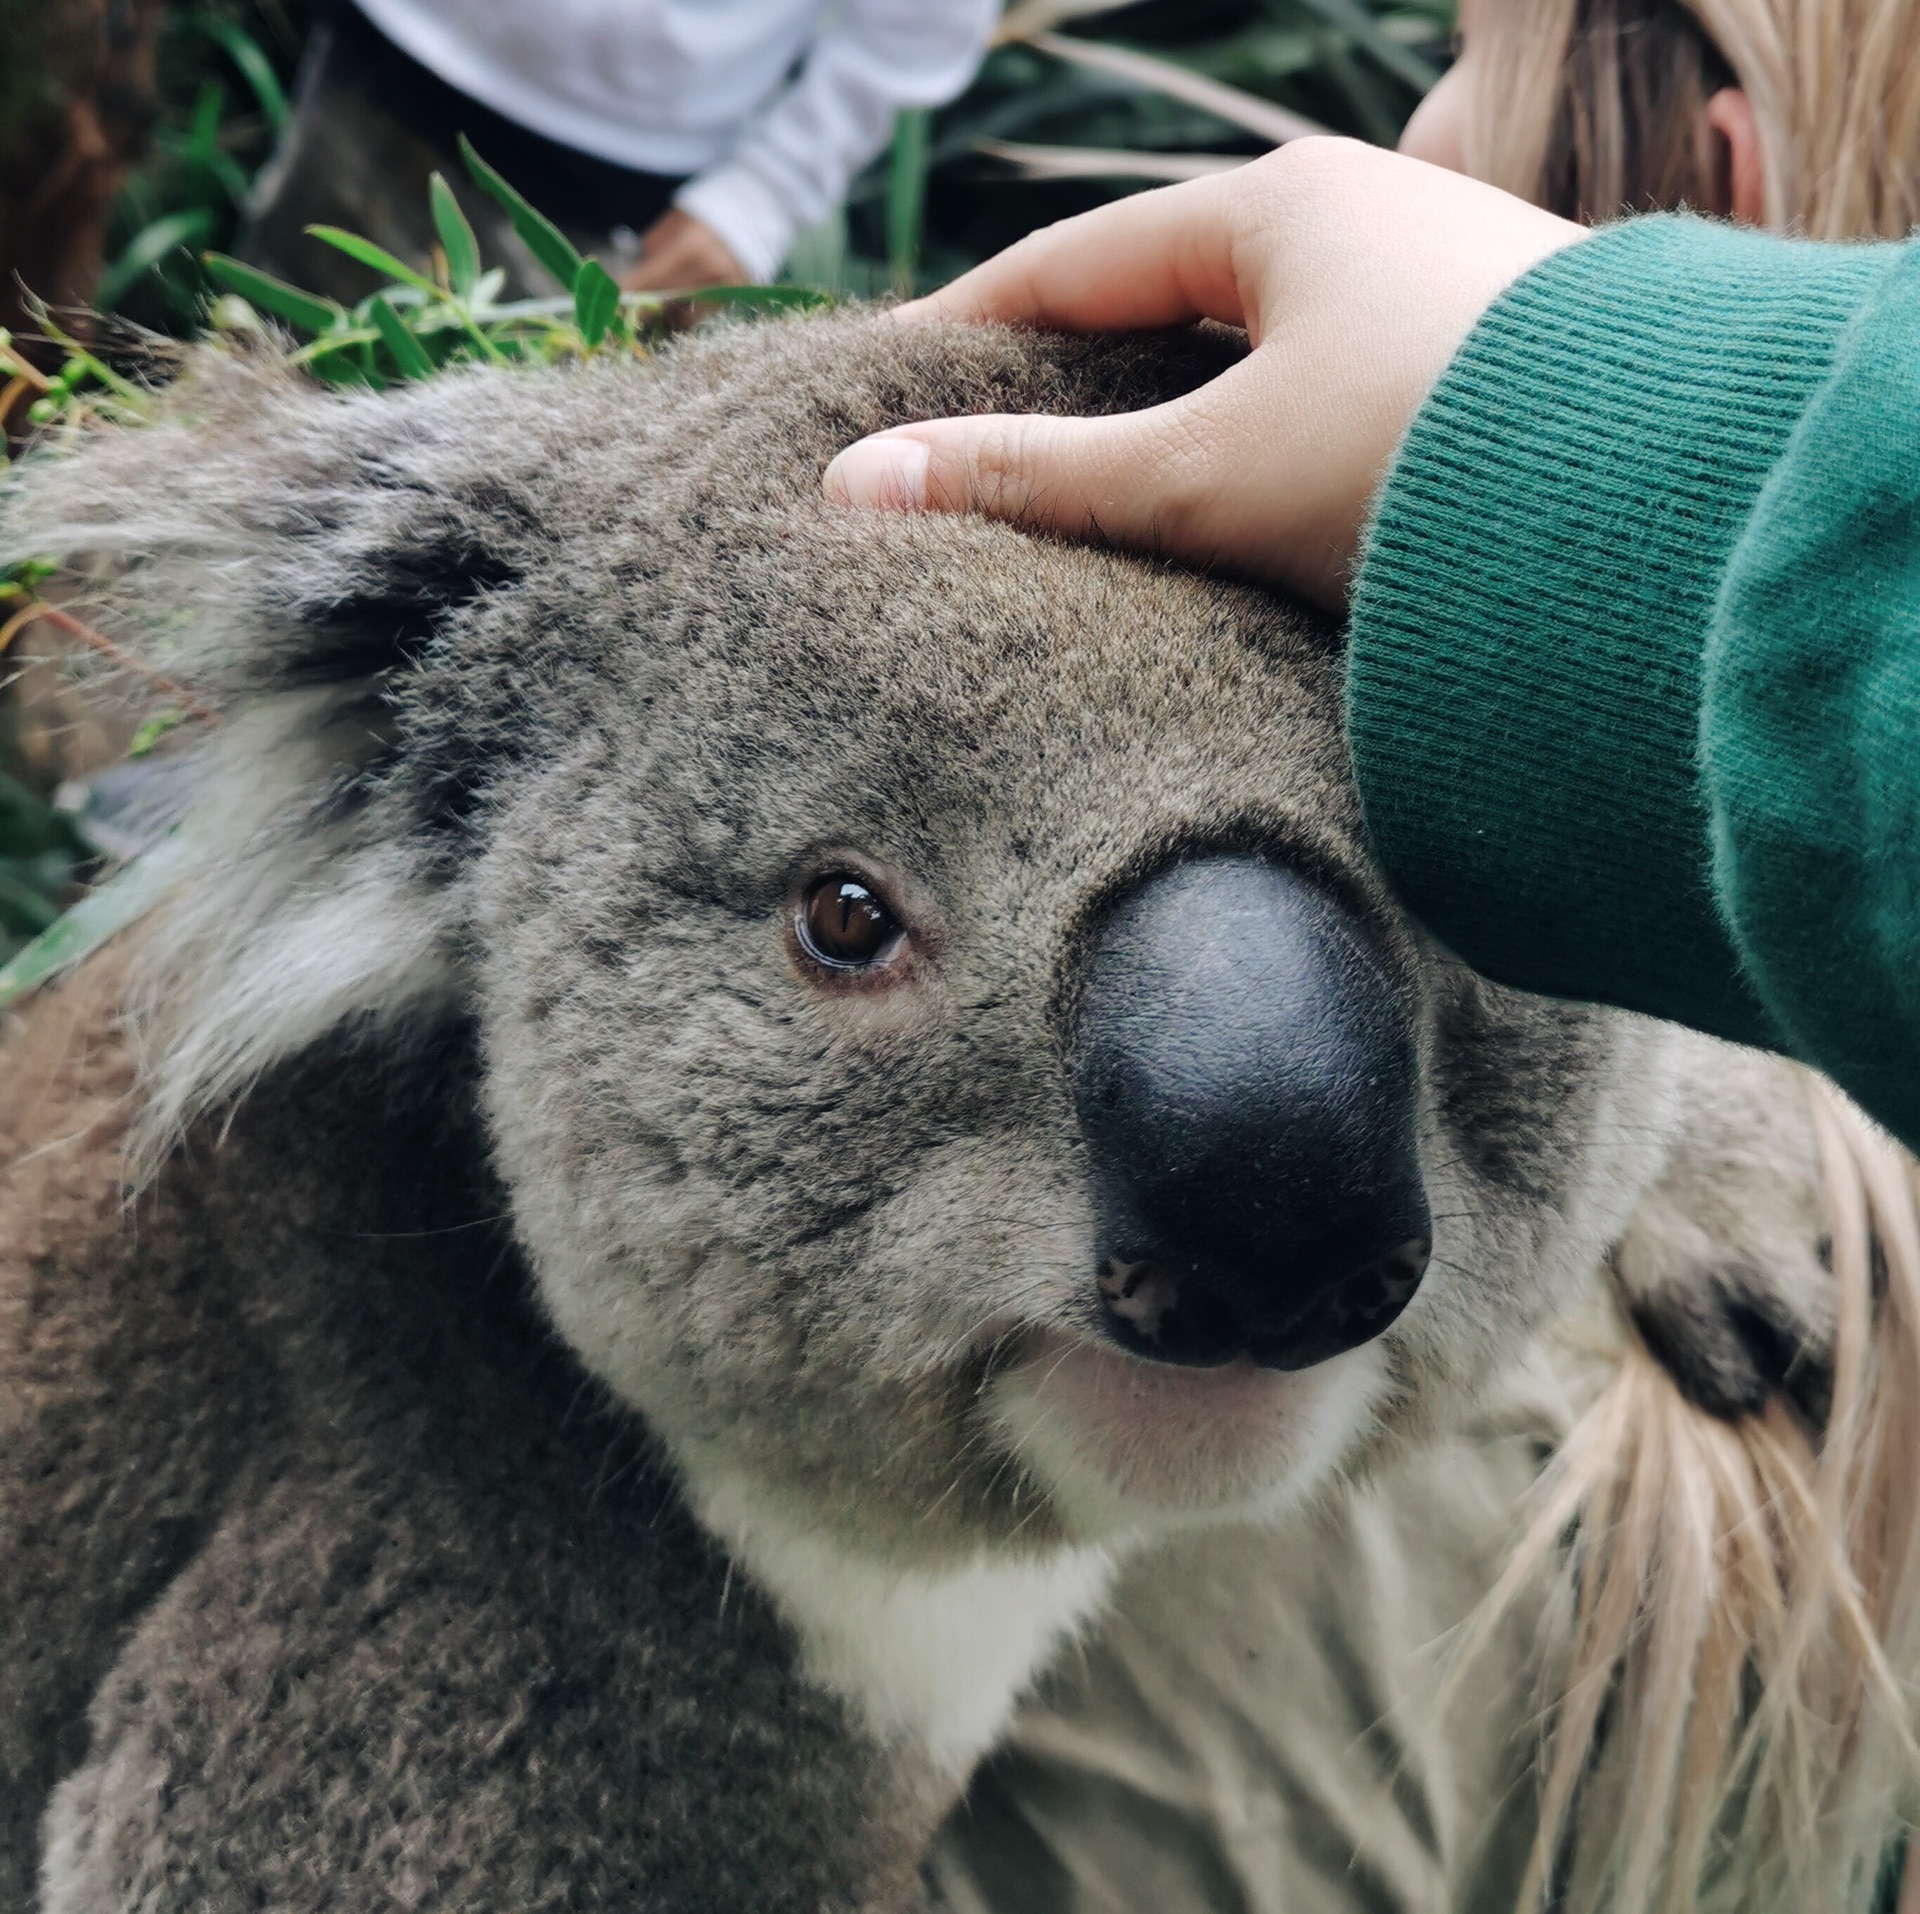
(771,105)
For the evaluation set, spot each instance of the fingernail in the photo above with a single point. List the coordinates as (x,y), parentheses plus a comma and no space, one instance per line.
(885,474)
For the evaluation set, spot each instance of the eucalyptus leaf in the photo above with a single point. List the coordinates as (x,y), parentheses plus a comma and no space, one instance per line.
(456,237)
(147,248)
(375,257)
(907,193)
(408,353)
(543,238)
(245,52)
(596,301)
(299,309)
(107,909)
(24,905)
(341,369)
(203,136)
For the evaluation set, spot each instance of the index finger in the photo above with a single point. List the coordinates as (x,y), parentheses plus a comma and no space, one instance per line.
(1160,258)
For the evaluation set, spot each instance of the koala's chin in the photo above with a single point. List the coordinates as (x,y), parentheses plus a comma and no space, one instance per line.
(1128,1449)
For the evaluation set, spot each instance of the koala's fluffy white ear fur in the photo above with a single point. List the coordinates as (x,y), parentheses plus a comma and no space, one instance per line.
(295,920)
(290,555)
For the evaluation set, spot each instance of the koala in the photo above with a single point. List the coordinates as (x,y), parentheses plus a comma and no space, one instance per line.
(744,1100)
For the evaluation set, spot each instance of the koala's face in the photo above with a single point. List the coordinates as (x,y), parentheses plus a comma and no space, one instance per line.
(951,1058)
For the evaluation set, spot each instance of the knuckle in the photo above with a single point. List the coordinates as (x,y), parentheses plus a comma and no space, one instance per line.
(998,467)
(983,466)
(1303,172)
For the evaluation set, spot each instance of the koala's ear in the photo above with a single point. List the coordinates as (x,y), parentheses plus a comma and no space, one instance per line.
(293,557)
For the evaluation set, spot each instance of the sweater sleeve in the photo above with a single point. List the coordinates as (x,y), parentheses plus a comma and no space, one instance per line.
(791,164)
(1634,681)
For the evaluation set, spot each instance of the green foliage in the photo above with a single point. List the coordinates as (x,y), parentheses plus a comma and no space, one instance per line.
(418,323)
(456,239)
(543,238)
(1049,126)
(942,197)
(254,64)
(106,909)
(596,301)
(149,735)
(42,858)
(299,309)
(224,70)
(907,167)
(409,355)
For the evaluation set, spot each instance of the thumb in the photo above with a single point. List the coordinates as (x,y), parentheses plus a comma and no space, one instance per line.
(1113,478)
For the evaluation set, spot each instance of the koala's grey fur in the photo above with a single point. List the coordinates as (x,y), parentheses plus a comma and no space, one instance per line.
(330,1576)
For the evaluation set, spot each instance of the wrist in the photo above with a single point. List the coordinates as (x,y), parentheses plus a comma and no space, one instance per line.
(743,212)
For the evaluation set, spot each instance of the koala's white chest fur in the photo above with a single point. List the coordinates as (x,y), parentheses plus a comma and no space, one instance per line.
(936,1656)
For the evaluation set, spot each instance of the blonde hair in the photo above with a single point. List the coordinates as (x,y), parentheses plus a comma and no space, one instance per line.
(1739,1603)
(1595,107)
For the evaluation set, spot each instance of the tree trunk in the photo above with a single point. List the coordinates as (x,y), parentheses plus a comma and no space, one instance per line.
(77,100)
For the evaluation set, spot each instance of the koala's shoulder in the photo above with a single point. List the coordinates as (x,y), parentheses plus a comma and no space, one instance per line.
(128,1390)
(125,1370)
(69,1075)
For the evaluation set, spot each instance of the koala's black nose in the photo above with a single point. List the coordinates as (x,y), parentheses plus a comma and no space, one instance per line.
(1247,1089)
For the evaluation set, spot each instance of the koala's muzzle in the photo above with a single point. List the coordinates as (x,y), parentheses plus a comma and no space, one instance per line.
(1246,1086)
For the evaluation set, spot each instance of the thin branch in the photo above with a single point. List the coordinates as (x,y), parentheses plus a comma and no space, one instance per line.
(1230,103)
(22,368)
(1101,162)
(15,390)
(65,621)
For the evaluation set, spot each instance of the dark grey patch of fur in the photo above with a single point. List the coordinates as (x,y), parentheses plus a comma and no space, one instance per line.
(1729,1345)
(1725,1273)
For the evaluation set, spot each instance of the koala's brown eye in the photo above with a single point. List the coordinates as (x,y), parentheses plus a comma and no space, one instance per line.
(844,925)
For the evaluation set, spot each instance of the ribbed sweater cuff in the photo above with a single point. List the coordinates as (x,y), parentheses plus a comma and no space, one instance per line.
(1524,683)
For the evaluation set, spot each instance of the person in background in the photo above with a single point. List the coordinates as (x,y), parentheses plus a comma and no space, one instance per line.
(684,141)
(1798,115)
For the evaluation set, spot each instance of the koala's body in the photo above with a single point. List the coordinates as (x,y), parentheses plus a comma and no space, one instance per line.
(665,1283)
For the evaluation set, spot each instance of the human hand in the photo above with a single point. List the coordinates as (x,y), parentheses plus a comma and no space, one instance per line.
(679,254)
(1357,274)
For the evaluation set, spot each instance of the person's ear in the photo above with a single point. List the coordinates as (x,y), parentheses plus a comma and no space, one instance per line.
(1742,169)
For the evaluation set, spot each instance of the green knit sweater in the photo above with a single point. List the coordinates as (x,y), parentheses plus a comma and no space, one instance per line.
(1634,688)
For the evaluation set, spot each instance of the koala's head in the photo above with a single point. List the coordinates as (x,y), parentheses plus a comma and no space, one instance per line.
(949,1053)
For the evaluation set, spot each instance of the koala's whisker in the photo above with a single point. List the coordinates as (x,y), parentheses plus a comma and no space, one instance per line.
(413,1235)
(933,1508)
